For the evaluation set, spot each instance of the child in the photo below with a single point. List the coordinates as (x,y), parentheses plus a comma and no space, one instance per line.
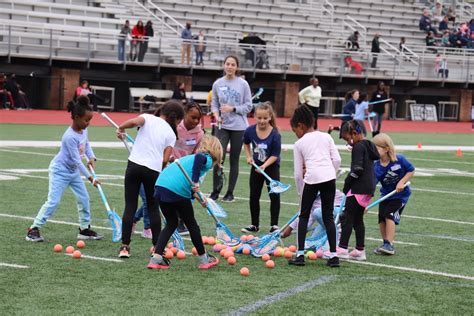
(316,153)
(392,171)
(174,196)
(359,188)
(150,153)
(362,111)
(348,110)
(266,147)
(65,171)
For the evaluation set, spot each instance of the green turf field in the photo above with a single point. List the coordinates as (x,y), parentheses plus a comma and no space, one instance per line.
(436,237)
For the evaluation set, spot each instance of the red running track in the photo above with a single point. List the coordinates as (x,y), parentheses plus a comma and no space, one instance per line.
(53,117)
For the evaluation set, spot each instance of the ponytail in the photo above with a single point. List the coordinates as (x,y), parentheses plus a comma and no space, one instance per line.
(80,107)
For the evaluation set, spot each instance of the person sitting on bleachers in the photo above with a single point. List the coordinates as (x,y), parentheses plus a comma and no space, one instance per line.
(445,39)
(471,31)
(443,25)
(437,12)
(354,41)
(353,65)
(431,41)
(425,22)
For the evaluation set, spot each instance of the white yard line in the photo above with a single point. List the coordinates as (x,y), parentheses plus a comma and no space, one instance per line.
(97,258)
(52,155)
(396,241)
(11,265)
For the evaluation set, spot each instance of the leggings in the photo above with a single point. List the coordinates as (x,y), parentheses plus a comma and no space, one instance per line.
(327,191)
(171,211)
(353,218)
(378,122)
(236,141)
(256,183)
(315,112)
(135,176)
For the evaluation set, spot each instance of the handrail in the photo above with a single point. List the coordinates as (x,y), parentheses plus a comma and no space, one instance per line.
(178,25)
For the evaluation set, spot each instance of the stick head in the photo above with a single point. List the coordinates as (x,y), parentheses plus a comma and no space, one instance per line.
(216,209)
(116,223)
(278,187)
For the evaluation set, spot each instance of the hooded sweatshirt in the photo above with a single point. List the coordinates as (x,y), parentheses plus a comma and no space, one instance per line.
(188,140)
(361,178)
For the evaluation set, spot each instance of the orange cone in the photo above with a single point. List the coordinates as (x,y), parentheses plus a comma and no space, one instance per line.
(419,145)
(459,152)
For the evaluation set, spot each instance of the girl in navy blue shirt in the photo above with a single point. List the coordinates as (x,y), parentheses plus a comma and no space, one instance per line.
(392,171)
(348,110)
(262,144)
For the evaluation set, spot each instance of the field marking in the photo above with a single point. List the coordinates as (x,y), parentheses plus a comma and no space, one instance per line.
(11,265)
(52,155)
(423,271)
(396,241)
(280,296)
(96,258)
(438,236)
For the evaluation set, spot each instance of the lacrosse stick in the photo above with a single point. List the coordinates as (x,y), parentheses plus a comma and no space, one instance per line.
(371,115)
(275,186)
(257,95)
(381,101)
(383,198)
(130,138)
(114,219)
(222,231)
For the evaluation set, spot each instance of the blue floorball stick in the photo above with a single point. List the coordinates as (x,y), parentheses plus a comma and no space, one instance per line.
(178,241)
(223,232)
(383,198)
(114,219)
(275,186)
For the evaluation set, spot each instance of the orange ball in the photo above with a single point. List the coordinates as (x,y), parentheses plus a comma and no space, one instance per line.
(277,253)
(76,254)
(244,271)
(288,254)
(246,251)
(249,237)
(222,252)
(313,256)
(270,264)
(194,251)
(168,254)
(286,249)
(231,260)
(204,240)
(228,253)
(80,244)
(58,248)
(181,255)
(174,250)
(211,241)
(266,257)
(69,249)
(292,248)
(243,238)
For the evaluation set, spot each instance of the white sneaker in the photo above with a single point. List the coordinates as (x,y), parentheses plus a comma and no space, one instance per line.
(341,253)
(357,255)
(147,233)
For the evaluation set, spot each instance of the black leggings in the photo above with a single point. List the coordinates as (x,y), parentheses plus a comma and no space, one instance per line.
(236,141)
(256,183)
(135,176)
(315,112)
(327,191)
(353,218)
(171,212)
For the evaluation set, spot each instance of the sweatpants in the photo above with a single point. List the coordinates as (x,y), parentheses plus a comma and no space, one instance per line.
(327,190)
(256,182)
(135,176)
(236,140)
(353,218)
(184,210)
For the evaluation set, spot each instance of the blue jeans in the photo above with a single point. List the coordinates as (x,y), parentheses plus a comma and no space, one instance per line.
(121,50)
(199,57)
(59,179)
(378,122)
(142,211)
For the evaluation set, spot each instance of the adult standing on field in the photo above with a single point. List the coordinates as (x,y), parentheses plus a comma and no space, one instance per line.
(311,97)
(231,102)
(379,108)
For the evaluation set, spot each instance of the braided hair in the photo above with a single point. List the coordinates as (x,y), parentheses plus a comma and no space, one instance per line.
(302,115)
(79,107)
(349,127)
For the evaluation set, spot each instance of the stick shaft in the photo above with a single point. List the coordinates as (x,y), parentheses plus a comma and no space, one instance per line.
(385,197)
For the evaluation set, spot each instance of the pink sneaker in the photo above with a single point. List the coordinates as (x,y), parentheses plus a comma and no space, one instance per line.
(212,261)
(147,233)
(341,253)
(358,255)
(156,263)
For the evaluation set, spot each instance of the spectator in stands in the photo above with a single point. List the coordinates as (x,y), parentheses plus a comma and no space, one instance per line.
(471,31)
(200,47)
(251,43)
(124,33)
(186,37)
(443,25)
(425,22)
(402,45)
(144,45)
(375,50)
(452,14)
(231,102)
(179,93)
(441,66)
(437,12)
(6,95)
(311,97)
(138,32)
(379,108)
(430,41)
(353,65)
(445,39)
(353,41)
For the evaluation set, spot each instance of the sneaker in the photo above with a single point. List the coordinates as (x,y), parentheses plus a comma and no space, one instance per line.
(377,250)
(158,263)
(146,233)
(387,249)
(134,226)
(341,253)
(214,196)
(124,252)
(228,197)
(88,233)
(250,229)
(333,262)
(211,261)
(297,261)
(358,255)
(34,235)
(274,228)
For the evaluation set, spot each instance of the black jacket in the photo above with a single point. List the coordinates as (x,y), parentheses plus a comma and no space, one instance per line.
(361,179)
